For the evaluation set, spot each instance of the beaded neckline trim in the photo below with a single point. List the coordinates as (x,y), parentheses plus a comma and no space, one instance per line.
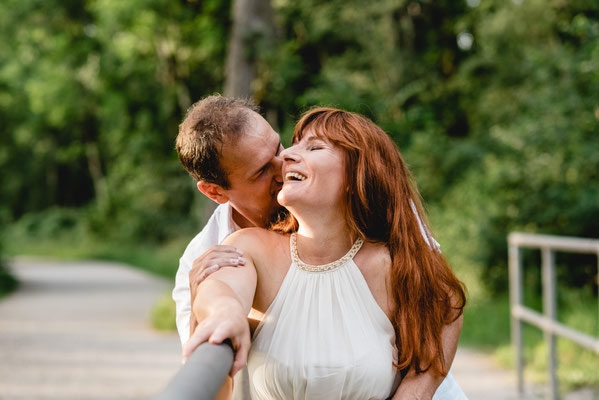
(326,267)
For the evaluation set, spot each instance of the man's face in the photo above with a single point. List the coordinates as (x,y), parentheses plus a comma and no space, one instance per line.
(253,168)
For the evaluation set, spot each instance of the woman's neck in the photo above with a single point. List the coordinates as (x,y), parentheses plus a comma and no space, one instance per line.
(323,238)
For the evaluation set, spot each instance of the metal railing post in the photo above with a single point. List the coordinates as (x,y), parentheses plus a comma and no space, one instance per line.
(515,272)
(550,311)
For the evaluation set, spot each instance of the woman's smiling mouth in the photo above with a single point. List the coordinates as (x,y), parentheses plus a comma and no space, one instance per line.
(294,176)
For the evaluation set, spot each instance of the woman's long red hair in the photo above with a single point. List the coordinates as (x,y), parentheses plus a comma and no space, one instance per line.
(381,207)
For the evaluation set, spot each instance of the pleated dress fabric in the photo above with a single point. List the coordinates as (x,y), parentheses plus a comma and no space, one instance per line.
(324,337)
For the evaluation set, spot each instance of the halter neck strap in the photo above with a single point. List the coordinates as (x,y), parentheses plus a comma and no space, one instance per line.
(326,267)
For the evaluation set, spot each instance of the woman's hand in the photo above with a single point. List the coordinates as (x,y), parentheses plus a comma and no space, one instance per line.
(223,320)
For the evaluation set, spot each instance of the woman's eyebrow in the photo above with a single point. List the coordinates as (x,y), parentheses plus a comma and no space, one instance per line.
(313,139)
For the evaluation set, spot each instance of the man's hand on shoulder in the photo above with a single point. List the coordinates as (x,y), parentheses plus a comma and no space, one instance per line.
(216,257)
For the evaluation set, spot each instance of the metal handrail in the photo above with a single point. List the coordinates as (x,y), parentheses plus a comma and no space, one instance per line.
(202,376)
(547,321)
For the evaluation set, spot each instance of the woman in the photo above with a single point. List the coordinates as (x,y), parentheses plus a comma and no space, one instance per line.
(338,323)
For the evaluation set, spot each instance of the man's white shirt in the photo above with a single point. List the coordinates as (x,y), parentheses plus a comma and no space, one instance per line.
(219,226)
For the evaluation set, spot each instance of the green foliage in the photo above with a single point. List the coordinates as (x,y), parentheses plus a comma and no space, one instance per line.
(163,314)
(62,234)
(91,96)
(92,93)
(486,323)
(501,136)
(533,93)
(7,281)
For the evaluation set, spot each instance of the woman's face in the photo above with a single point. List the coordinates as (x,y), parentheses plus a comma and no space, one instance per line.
(313,173)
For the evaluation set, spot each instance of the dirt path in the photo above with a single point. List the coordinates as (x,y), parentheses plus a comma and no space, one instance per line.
(80,330)
(481,378)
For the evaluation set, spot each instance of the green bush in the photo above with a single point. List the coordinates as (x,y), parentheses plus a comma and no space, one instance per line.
(163,314)
(8,282)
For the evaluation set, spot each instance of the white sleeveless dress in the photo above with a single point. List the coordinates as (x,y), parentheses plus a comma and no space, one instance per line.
(324,337)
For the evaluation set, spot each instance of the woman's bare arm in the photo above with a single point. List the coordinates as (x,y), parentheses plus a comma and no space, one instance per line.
(222,303)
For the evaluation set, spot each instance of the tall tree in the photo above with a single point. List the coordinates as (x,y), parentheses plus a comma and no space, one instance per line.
(252,35)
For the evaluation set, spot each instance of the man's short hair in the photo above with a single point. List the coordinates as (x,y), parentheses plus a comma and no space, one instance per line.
(208,125)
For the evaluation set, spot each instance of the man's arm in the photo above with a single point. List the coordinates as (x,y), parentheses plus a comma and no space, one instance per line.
(424,386)
(181,296)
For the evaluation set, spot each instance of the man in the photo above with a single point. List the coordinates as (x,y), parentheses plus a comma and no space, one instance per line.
(232,153)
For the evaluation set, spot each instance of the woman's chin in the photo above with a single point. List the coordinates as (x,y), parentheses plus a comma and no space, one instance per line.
(283,198)
(291,199)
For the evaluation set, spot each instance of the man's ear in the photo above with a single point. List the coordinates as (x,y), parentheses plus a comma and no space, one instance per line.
(213,191)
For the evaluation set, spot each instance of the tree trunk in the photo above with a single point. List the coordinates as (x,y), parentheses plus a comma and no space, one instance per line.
(98,178)
(252,33)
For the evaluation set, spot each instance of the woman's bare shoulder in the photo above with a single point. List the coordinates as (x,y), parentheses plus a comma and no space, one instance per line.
(374,261)
(253,240)
(373,258)
(245,234)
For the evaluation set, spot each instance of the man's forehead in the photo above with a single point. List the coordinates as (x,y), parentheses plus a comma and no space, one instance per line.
(250,151)
(257,126)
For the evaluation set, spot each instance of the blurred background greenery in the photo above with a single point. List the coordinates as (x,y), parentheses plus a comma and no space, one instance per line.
(493,103)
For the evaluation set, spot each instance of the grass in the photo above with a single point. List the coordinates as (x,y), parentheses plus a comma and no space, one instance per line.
(486,323)
(159,259)
(163,314)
